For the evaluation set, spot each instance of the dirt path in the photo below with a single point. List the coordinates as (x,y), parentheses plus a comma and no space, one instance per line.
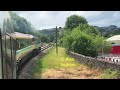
(74,73)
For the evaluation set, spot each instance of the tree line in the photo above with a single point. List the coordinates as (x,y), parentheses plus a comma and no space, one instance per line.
(80,37)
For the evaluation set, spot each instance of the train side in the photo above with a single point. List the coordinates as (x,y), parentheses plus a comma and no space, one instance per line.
(10,50)
(30,49)
(7,47)
(26,47)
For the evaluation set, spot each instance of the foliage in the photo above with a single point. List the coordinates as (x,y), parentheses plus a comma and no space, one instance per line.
(88,29)
(55,61)
(50,33)
(45,38)
(20,24)
(108,31)
(74,21)
(110,74)
(51,38)
(80,42)
(107,47)
(83,38)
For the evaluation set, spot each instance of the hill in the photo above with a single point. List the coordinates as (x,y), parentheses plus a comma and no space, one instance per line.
(48,31)
(108,31)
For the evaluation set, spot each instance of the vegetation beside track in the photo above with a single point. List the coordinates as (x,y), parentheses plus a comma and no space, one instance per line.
(61,66)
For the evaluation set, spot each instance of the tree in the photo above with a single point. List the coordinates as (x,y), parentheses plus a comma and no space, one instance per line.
(74,21)
(51,37)
(88,29)
(80,42)
(44,38)
(85,40)
(21,25)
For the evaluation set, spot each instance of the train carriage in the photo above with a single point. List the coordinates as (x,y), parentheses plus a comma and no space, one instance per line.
(7,50)
(26,47)
(15,47)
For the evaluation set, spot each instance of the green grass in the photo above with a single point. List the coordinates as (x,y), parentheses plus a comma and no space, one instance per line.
(55,61)
(63,61)
(110,74)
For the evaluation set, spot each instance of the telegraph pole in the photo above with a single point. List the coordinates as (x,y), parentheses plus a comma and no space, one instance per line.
(56,41)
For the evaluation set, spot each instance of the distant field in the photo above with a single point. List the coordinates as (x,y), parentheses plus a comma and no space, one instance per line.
(61,66)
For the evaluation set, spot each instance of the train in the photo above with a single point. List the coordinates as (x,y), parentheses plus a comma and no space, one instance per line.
(15,47)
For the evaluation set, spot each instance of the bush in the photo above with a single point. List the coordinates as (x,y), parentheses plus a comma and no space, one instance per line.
(107,48)
(88,29)
(80,42)
(110,74)
(83,38)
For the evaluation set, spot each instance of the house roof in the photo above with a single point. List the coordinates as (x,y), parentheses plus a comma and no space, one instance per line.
(114,39)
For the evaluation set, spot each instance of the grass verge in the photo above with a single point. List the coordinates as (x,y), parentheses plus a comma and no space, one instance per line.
(61,66)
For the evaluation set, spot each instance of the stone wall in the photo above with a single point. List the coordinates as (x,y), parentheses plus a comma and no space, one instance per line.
(93,62)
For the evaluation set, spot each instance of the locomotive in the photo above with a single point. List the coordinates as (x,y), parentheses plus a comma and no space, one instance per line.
(15,47)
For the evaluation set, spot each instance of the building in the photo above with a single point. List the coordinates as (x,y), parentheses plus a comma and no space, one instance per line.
(115,42)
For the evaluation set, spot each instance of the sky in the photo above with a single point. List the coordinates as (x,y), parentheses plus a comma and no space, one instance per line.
(50,19)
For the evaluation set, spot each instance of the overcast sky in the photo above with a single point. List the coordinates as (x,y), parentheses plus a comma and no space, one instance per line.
(50,19)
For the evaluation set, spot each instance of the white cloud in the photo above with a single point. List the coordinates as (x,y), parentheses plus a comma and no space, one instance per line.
(50,19)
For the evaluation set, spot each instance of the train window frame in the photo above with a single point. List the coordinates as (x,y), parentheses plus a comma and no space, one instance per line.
(10,45)
(8,56)
(1,57)
(12,52)
(11,55)
(5,59)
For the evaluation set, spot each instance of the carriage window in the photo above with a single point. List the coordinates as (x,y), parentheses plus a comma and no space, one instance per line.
(22,43)
(17,45)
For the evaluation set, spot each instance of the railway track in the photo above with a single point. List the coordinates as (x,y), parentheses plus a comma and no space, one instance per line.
(20,68)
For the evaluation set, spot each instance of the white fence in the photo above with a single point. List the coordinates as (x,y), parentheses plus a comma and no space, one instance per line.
(110,58)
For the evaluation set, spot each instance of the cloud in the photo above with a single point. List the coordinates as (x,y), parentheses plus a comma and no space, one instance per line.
(107,18)
(50,19)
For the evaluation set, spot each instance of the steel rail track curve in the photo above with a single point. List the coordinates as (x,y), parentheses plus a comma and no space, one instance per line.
(20,68)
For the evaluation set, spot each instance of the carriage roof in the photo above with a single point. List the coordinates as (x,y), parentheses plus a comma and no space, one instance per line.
(23,36)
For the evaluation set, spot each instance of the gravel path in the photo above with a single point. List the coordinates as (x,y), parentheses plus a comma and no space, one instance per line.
(27,72)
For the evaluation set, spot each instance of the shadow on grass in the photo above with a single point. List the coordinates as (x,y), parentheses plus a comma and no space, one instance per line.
(38,66)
